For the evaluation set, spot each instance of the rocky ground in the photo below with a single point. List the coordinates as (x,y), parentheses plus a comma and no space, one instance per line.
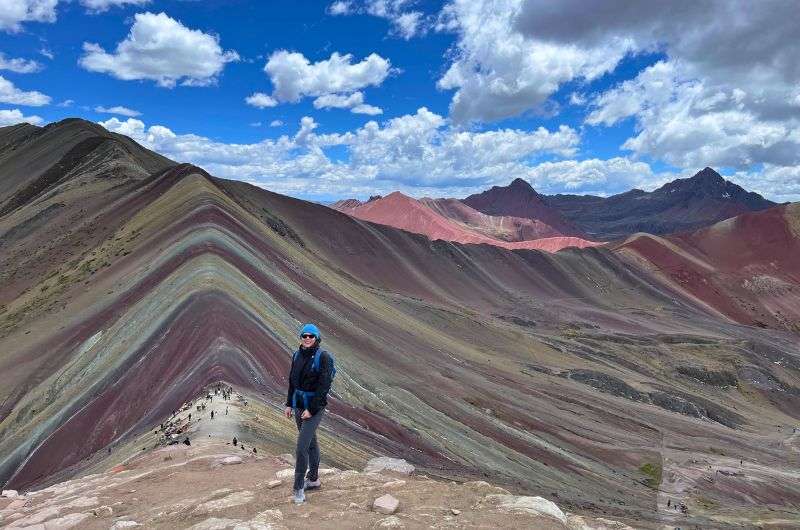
(213,484)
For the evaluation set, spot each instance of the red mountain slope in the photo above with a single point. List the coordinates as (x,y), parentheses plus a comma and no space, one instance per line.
(746,268)
(425,217)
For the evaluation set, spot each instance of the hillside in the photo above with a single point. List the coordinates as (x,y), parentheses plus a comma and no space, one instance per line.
(587,377)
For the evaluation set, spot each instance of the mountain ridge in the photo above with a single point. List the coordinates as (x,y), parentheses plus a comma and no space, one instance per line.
(569,375)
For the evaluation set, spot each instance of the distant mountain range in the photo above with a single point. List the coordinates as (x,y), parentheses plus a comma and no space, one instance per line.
(515,216)
(680,205)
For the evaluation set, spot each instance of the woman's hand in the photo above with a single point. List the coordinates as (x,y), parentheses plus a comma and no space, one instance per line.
(288,412)
(306,414)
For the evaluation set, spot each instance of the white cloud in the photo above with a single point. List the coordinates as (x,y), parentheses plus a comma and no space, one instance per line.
(46,52)
(98,6)
(14,12)
(20,66)
(275,123)
(498,72)
(340,8)
(260,100)
(337,101)
(354,102)
(255,124)
(366,109)
(595,176)
(66,103)
(295,77)
(11,94)
(690,124)
(161,49)
(118,109)
(418,152)
(12,117)
(778,183)
(405,23)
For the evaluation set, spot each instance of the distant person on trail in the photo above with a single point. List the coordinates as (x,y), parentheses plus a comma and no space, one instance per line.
(310,378)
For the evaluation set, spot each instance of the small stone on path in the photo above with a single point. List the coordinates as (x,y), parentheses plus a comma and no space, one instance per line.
(274,483)
(386,504)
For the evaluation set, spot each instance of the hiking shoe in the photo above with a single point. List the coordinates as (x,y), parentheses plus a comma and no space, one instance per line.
(299,497)
(312,484)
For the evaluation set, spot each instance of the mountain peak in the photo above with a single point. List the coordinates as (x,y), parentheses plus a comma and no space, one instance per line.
(520,184)
(708,175)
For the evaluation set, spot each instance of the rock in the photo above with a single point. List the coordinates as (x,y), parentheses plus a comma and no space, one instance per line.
(10,494)
(103,511)
(481,485)
(234,499)
(353,506)
(285,474)
(70,520)
(286,457)
(386,504)
(455,511)
(394,484)
(231,460)
(215,523)
(398,465)
(329,471)
(82,502)
(124,524)
(578,522)
(16,504)
(42,515)
(535,505)
(268,516)
(390,522)
(274,483)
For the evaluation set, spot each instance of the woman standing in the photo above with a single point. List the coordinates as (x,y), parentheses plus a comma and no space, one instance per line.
(309,382)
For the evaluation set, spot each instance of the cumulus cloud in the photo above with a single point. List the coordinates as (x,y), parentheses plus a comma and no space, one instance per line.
(275,123)
(334,83)
(98,6)
(161,49)
(595,176)
(295,77)
(260,100)
(11,94)
(14,12)
(354,102)
(14,116)
(779,183)
(418,152)
(20,66)
(499,72)
(340,8)
(118,109)
(406,23)
(689,122)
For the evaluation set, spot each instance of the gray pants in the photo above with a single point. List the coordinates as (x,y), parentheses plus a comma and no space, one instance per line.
(307,453)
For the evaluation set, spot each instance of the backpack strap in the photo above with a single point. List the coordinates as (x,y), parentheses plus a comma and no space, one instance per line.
(317,357)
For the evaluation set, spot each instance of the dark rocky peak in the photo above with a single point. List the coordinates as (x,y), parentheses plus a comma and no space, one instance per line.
(519,184)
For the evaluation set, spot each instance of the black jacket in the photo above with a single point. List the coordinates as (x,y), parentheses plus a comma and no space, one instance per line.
(303,377)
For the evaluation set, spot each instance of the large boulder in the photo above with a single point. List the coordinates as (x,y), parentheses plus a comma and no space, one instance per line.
(522,503)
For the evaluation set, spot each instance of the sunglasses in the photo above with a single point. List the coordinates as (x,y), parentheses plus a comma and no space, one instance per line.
(307,336)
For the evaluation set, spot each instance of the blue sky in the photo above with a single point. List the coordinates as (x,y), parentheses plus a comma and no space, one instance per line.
(431,98)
